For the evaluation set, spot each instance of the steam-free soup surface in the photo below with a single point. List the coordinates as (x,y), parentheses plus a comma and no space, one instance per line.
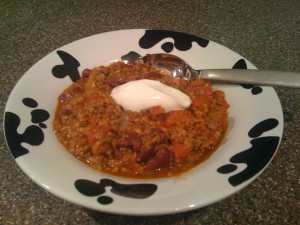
(148,143)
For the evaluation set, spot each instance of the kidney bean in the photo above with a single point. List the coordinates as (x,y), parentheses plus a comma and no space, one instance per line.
(63,98)
(161,158)
(66,112)
(123,142)
(86,73)
(136,141)
(132,140)
(145,153)
(77,89)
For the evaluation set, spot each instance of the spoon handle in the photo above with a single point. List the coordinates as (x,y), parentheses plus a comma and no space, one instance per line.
(245,76)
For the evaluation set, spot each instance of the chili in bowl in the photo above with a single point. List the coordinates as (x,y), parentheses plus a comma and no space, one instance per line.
(149,143)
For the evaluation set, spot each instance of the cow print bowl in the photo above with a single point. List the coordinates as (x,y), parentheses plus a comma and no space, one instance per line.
(253,137)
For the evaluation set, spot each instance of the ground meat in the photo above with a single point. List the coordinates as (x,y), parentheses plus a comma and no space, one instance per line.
(146,144)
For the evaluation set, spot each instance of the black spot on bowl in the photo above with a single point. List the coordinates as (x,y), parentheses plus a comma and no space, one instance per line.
(131,56)
(29,102)
(68,68)
(33,134)
(105,200)
(167,47)
(90,188)
(229,168)
(240,64)
(39,116)
(262,127)
(256,157)
(182,41)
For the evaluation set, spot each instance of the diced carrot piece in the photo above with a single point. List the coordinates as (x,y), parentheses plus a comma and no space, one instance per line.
(97,96)
(93,122)
(82,140)
(91,134)
(156,111)
(201,100)
(127,162)
(91,137)
(178,118)
(104,128)
(201,87)
(224,120)
(220,98)
(179,148)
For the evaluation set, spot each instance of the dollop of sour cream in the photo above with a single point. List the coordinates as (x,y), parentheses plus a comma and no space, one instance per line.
(143,94)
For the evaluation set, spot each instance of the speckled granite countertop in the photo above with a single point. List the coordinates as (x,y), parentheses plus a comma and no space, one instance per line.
(266,33)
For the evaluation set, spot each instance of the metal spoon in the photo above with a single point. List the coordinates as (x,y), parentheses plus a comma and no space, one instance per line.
(177,67)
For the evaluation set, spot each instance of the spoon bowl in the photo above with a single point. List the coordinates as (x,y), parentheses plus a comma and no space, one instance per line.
(177,67)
